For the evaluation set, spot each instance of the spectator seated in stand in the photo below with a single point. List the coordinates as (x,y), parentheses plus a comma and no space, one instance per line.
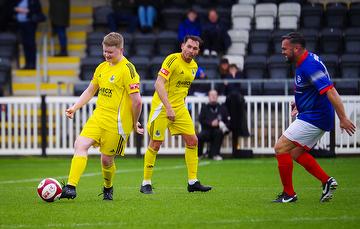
(215,35)
(190,26)
(228,87)
(214,119)
(147,13)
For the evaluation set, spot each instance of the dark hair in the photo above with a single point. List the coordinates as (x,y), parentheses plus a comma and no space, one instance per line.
(194,38)
(295,38)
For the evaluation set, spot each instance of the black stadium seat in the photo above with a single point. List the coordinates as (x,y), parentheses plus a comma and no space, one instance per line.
(354,14)
(100,14)
(276,39)
(254,68)
(167,42)
(277,69)
(352,40)
(259,41)
(210,66)
(349,69)
(172,17)
(331,61)
(144,44)
(312,39)
(155,65)
(336,15)
(311,15)
(142,65)
(88,66)
(8,45)
(331,41)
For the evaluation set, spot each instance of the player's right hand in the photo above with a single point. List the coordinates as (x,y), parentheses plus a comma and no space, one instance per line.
(170,114)
(70,112)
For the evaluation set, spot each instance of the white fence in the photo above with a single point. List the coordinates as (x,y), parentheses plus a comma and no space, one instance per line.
(267,118)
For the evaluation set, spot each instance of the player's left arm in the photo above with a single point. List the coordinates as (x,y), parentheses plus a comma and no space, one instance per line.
(136,107)
(335,100)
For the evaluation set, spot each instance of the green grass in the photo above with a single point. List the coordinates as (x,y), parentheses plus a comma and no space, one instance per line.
(240,198)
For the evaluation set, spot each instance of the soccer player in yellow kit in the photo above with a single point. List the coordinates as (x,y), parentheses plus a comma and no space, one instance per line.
(117,112)
(168,110)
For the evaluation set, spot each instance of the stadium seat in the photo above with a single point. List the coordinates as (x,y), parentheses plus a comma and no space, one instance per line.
(210,66)
(88,66)
(142,65)
(8,45)
(155,65)
(254,68)
(311,15)
(100,14)
(79,88)
(289,14)
(226,3)
(236,59)
(144,44)
(352,40)
(239,41)
(172,17)
(259,42)
(336,15)
(276,39)
(354,14)
(277,69)
(331,61)
(167,42)
(265,14)
(331,41)
(242,16)
(312,38)
(349,69)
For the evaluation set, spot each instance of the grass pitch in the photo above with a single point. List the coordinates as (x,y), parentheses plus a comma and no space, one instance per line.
(241,196)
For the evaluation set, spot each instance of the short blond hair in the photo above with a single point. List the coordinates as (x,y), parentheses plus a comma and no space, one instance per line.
(114,39)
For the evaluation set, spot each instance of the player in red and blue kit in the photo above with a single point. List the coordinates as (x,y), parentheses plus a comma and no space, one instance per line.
(315,101)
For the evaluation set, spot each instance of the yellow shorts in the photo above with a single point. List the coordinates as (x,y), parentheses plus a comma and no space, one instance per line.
(158,122)
(110,143)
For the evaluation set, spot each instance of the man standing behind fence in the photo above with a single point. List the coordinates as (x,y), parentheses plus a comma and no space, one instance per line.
(315,100)
(117,112)
(168,110)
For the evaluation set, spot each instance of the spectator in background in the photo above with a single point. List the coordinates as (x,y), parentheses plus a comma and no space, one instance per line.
(215,35)
(224,68)
(147,13)
(28,15)
(59,13)
(190,26)
(232,87)
(123,11)
(215,122)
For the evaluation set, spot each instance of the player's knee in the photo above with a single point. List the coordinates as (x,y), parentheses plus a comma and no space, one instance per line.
(192,142)
(107,161)
(80,148)
(278,148)
(155,145)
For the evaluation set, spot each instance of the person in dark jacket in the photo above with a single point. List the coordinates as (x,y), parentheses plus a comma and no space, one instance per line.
(59,13)
(190,26)
(215,35)
(215,120)
(229,87)
(28,15)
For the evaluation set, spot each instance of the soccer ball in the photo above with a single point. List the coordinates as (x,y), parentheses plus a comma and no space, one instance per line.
(49,190)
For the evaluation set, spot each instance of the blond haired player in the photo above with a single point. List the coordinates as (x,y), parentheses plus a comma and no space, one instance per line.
(168,110)
(117,112)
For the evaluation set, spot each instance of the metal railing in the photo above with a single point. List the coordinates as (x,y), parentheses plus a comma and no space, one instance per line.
(22,131)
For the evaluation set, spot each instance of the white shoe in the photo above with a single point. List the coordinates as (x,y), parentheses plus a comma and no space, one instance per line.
(213,53)
(206,52)
(217,158)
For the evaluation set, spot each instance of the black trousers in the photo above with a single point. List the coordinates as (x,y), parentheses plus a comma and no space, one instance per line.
(214,137)
(27,33)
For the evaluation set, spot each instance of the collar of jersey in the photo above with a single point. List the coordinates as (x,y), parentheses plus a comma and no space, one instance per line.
(302,58)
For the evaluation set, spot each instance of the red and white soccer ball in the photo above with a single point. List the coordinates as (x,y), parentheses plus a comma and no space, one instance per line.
(49,190)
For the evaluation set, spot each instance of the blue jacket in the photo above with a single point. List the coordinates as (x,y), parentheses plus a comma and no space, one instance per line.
(189,28)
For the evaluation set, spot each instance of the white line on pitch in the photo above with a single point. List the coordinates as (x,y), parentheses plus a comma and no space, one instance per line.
(99,173)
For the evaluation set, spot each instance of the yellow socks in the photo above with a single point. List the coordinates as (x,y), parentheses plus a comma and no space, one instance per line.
(149,162)
(78,165)
(191,159)
(108,175)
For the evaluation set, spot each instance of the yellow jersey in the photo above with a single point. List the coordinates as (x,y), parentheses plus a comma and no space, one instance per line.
(113,106)
(179,76)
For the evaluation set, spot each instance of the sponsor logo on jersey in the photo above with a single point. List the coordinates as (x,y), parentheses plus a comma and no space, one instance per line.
(134,86)
(105,92)
(184,83)
(164,71)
